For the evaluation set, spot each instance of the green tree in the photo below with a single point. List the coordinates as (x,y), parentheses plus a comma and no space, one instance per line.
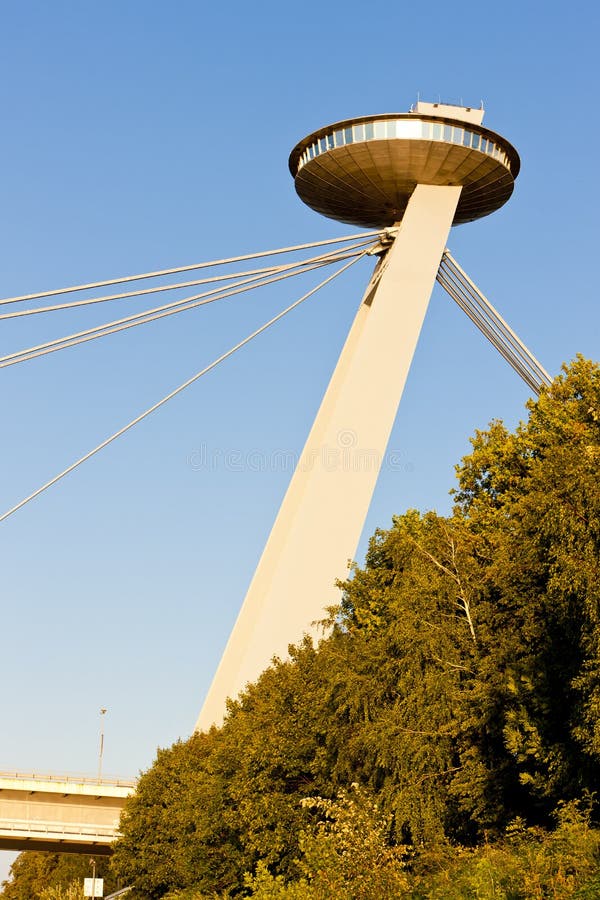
(527,863)
(346,855)
(410,618)
(534,498)
(35,872)
(73,891)
(459,683)
(212,806)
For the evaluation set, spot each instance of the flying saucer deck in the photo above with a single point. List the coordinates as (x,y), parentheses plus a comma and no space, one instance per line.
(363,171)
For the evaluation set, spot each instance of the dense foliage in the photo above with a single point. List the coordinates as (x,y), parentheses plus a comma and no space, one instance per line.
(459,684)
(37,875)
(447,729)
(347,857)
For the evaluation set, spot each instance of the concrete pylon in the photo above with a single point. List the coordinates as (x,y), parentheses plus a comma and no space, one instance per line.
(323,513)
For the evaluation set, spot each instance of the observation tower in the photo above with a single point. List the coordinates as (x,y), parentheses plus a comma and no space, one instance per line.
(413,175)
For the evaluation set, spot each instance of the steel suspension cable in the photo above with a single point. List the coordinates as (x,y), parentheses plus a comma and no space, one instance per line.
(492,313)
(179,389)
(88,301)
(489,333)
(464,299)
(489,321)
(177,269)
(160,312)
(513,360)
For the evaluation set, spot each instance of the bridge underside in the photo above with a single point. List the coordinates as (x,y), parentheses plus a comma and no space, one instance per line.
(63,815)
(20,842)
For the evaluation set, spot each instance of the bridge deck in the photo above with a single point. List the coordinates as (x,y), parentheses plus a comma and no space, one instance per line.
(70,814)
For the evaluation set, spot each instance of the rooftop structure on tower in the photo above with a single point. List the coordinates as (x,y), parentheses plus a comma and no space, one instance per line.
(363,171)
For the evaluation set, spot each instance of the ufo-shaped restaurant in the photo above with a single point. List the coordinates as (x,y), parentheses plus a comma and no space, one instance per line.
(363,171)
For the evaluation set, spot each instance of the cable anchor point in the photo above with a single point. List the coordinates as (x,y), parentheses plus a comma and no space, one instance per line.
(386,239)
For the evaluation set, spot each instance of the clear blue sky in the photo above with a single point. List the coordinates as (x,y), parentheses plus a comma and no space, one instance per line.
(138,136)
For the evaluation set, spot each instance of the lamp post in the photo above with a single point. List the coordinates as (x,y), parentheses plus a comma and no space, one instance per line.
(101,751)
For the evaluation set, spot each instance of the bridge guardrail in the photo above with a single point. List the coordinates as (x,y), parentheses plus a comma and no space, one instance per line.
(70,777)
(80,829)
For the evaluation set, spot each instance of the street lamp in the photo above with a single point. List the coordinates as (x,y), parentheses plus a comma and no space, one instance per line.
(93,862)
(101,752)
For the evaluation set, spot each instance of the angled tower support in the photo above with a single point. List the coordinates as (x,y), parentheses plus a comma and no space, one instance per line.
(322,515)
